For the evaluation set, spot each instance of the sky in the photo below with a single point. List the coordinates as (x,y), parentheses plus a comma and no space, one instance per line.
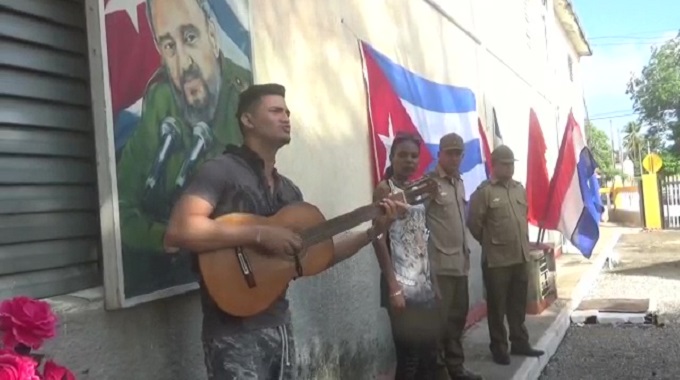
(621,35)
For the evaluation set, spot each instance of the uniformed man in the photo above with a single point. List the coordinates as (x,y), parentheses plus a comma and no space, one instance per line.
(195,84)
(498,220)
(450,255)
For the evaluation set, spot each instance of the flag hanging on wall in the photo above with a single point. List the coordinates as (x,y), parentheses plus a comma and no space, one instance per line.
(497,137)
(485,148)
(538,181)
(574,201)
(402,101)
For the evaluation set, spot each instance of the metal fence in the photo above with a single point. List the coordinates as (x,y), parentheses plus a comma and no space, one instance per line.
(670,201)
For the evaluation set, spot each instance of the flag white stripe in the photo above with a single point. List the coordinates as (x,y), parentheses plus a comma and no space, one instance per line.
(438,124)
(572,207)
(433,125)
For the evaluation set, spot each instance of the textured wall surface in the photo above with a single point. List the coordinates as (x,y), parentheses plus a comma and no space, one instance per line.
(311,47)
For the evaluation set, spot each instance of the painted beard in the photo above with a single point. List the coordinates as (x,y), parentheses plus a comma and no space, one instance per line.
(197,97)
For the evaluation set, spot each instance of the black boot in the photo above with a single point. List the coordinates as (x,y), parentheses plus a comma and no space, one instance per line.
(501,358)
(526,351)
(464,374)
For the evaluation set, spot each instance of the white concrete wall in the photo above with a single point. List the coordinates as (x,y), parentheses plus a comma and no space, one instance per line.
(311,48)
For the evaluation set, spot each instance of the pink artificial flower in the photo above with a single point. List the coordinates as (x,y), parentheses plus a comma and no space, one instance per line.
(26,321)
(54,371)
(17,367)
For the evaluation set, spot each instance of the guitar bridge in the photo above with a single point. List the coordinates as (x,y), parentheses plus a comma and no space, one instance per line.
(246,270)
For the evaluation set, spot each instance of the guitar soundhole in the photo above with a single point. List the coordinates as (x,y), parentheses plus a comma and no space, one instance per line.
(246,270)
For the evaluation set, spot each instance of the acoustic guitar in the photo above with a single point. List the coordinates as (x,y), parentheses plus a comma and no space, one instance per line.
(245,281)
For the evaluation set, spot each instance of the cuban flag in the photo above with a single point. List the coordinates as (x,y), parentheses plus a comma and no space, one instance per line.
(402,101)
(575,206)
(133,58)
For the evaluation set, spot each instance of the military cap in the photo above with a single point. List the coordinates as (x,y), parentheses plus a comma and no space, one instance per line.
(252,95)
(503,154)
(451,141)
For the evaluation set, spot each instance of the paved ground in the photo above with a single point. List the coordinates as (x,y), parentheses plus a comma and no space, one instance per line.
(649,267)
(570,270)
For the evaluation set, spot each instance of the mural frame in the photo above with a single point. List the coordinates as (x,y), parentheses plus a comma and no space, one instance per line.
(111,248)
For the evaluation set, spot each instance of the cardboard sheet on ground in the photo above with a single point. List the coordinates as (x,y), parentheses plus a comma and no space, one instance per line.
(615,305)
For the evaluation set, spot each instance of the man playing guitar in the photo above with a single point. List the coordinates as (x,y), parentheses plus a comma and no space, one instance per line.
(245,180)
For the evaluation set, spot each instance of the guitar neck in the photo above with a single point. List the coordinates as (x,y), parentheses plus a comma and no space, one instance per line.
(341,223)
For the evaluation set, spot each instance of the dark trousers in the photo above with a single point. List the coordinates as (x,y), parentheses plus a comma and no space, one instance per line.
(415,332)
(454,307)
(265,354)
(506,296)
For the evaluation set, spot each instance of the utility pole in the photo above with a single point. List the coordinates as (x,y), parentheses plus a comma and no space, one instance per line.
(611,132)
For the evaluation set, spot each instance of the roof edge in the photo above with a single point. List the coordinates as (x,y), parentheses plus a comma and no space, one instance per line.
(572,27)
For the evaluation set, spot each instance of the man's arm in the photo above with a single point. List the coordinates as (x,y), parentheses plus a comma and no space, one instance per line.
(477,214)
(190,226)
(349,244)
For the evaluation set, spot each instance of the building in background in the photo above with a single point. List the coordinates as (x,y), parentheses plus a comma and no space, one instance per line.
(61,141)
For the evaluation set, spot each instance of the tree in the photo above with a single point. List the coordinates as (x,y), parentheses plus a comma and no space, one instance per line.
(600,146)
(656,93)
(633,142)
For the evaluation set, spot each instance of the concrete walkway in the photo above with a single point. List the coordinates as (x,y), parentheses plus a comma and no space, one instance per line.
(575,275)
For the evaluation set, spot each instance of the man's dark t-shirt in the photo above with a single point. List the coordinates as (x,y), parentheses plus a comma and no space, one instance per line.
(235,182)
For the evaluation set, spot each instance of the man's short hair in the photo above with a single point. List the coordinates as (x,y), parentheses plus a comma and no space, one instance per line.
(253,94)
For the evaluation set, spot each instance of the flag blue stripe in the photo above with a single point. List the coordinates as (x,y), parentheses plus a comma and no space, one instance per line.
(227,20)
(586,234)
(471,159)
(422,92)
(587,231)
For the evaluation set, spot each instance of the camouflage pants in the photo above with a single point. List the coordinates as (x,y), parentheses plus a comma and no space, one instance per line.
(266,354)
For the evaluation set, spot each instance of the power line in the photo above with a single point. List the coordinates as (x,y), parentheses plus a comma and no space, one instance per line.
(613,116)
(599,114)
(629,43)
(635,34)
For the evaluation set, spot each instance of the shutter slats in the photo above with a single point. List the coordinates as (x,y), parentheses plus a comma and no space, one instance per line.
(49,224)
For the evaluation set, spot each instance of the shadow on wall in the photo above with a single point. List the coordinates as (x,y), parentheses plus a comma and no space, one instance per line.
(339,329)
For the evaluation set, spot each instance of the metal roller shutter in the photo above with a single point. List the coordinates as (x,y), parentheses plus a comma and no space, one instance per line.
(49,227)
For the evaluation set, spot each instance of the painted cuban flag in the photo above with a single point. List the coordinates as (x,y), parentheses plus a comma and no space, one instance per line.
(402,101)
(574,202)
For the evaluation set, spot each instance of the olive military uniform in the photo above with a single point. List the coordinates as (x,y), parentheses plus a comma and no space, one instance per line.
(450,256)
(144,215)
(498,220)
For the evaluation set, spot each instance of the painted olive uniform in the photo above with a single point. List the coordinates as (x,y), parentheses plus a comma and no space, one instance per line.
(498,220)
(144,215)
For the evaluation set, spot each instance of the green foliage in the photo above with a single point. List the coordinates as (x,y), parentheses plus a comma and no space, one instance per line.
(656,93)
(600,145)
(671,163)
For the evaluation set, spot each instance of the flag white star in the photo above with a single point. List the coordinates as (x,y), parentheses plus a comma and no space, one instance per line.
(128,6)
(387,141)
